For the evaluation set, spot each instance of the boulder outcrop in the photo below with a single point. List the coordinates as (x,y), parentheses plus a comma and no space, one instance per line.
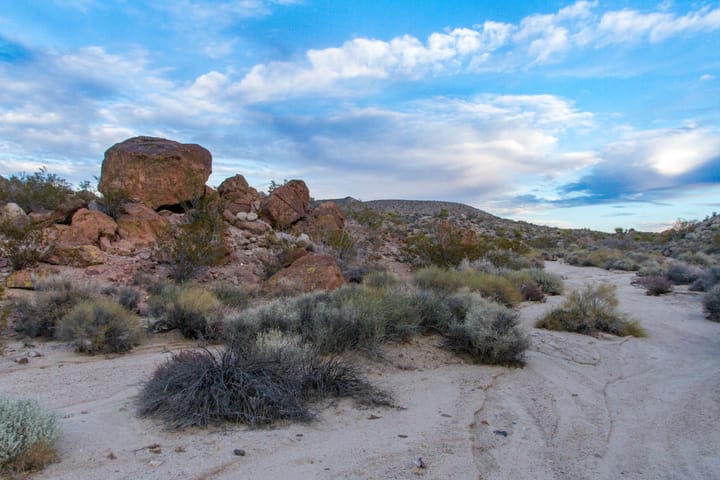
(287,204)
(87,227)
(140,225)
(310,272)
(155,171)
(237,195)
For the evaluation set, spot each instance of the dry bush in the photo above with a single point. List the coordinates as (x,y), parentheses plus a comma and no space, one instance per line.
(231,295)
(711,303)
(589,311)
(254,384)
(28,433)
(194,311)
(681,273)
(40,191)
(494,287)
(654,285)
(101,326)
(489,334)
(549,283)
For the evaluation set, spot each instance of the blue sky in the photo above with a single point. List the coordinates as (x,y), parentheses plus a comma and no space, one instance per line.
(596,114)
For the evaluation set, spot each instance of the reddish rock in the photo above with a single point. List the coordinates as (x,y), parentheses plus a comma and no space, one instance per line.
(87,227)
(237,195)
(66,210)
(76,255)
(141,225)
(155,171)
(287,204)
(257,228)
(308,273)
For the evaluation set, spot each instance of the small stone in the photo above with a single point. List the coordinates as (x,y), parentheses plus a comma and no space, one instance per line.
(402,435)
(33,354)
(445,415)
(373,417)
(501,433)
(155,463)
(22,361)
(239,452)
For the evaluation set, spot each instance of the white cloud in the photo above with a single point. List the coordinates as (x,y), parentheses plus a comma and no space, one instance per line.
(707,77)
(674,152)
(492,46)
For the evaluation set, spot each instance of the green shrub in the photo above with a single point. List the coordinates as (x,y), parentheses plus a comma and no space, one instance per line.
(55,296)
(548,282)
(380,279)
(22,242)
(28,433)
(493,287)
(589,311)
(40,191)
(250,384)
(439,279)
(194,311)
(489,334)
(651,267)
(711,303)
(708,279)
(112,203)
(526,285)
(101,326)
(231,296)
(196,244)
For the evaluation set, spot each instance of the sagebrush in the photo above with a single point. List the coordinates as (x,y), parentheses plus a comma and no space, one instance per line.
(28,433)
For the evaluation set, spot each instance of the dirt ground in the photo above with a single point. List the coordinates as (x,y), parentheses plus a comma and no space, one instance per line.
(582,408)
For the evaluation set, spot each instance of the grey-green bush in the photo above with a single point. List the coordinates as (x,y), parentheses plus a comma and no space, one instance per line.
(28,433)
(489,334)
(55,297)
(101,326)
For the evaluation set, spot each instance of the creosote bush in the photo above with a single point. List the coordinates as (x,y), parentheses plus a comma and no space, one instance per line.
(231,296)
(711,303)
(590,311)
(28,433)
(489,334)
(40,191)
(101,326)
(22,242)
(494,287)
(193,310)
(197,243)
(250,383)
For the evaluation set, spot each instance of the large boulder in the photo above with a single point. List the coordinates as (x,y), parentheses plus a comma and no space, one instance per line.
(11,212)
(155,171)
(308,273)
(87,227)
(325,222)
(65,211)
(237,195)
(140,225)
(287,204)
(76,255)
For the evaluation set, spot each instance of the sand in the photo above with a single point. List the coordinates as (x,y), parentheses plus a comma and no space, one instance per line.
(582,408)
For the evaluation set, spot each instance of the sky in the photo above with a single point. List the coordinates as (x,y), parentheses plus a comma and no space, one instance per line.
(596,114)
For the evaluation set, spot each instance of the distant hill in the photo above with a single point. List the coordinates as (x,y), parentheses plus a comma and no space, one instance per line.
(415,207)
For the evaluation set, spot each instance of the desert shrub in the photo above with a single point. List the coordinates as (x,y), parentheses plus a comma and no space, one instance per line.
(509,259)
(681,273)
(445,245)
(196,244)
(709,278)
(711,303)
(129,298)
(526,285)
(439,279)
(654,284)
(250,384)
(621,262)
(651,267)
(697,258)
(494,287)
(194,311)
(28,433)
(55,297)
(549,283)
(380,279)
(37,192)
(22,242)
(112,203)
(231,295)
(101,326)
(589,311)
(489,334)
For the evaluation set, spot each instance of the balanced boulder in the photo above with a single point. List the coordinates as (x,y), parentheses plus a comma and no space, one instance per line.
(237,195)
(155,171)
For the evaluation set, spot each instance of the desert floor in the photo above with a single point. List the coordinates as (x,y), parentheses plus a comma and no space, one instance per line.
(582,408)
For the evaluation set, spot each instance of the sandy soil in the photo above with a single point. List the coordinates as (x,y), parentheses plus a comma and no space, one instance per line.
(582,408)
